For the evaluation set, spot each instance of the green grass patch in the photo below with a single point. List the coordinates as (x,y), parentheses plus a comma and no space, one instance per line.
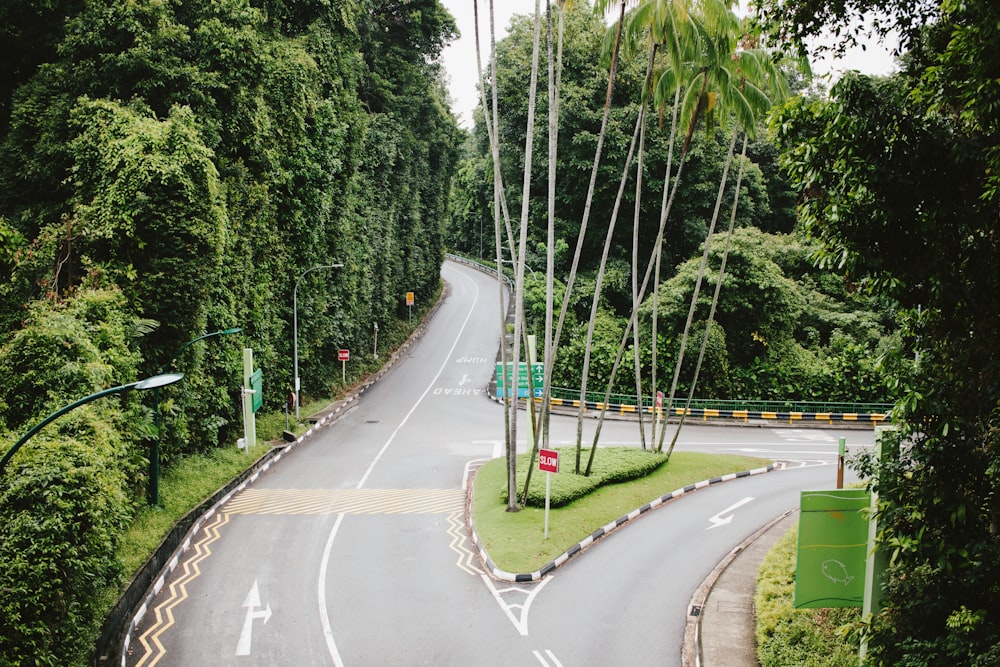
(790,636)
(515,541)
(182,488)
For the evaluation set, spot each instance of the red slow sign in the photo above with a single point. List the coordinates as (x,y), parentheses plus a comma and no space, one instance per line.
(343,355)
(548,460)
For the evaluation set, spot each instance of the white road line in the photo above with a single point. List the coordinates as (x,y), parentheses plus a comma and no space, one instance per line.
(552,656)
(520,624)
(444,364)
(324,614)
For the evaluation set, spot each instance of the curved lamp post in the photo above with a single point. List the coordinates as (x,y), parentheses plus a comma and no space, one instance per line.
(295,327)
(149,383)
(224,332)
(153,488)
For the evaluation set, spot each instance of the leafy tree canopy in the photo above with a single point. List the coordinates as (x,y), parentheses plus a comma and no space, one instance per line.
(899,182)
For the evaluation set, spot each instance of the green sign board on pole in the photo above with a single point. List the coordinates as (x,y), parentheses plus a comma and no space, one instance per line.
(257,384)
(537,377)
(833,546)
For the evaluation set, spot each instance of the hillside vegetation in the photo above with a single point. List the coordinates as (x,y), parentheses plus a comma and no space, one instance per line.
(170,169)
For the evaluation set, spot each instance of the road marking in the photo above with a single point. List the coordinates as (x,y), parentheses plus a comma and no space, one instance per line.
(718,520)
(529,593)
(552,656)
(459,544)
(251,602)
(347,501)
(150,639)
(324,614)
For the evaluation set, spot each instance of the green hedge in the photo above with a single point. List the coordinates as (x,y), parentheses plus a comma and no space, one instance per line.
(612,465)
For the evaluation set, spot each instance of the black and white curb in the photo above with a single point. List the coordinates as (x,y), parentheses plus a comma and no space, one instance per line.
(503,575)
(263,465)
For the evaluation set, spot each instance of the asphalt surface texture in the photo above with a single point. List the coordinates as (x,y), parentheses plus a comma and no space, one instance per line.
(721,615)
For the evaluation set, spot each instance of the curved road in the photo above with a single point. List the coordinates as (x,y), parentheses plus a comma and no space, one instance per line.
(353,549)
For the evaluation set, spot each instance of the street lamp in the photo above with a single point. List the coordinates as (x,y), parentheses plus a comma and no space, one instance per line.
(154,382)
(295,327)
(224,332)
(153,488)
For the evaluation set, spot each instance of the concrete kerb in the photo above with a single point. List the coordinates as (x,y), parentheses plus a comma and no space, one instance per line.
(207,509)
(579,547)
(691,646)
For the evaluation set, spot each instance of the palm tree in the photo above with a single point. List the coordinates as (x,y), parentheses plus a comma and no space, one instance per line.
(717,78)
(742,83)
(554,77)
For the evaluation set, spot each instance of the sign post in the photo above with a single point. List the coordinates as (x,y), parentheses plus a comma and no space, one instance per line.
(841,450)
(252,396)
(409,305)
(548,461)
(343,356)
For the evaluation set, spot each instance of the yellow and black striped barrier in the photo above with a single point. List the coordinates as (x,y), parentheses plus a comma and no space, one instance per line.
(746,415)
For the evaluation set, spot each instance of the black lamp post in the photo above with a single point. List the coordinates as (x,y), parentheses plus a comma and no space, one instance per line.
(153,489)
(154,382)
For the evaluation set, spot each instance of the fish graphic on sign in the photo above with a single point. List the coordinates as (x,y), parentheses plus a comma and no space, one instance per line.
(836,572)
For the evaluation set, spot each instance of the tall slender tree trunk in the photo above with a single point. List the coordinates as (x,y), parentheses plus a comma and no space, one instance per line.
(701,277)
(715,296)
(639,121)
(519,328)
(553,118)
(547,392)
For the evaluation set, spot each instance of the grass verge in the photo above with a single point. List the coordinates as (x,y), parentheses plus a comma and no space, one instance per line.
(790,636)
(515,541)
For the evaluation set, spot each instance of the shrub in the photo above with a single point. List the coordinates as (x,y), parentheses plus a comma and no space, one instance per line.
(63,507)
(789,636)
(612,465)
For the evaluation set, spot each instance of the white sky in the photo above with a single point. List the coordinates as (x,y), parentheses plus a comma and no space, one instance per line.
(460,58)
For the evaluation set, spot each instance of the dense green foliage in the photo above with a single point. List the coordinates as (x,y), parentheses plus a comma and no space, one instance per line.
(803,637)
(785,329)
(67,496)
(615,465)
(584,84)
(173,169)
(899,180)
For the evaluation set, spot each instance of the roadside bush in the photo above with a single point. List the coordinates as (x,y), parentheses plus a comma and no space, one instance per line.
(612,465)
(65,495)
(803,637)
(63,507)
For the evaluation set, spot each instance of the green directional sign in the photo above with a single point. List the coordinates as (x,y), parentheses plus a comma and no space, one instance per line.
(257,384)
(833,538)
(537,377)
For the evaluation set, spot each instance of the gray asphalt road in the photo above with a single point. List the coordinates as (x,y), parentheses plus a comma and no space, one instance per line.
(352,550)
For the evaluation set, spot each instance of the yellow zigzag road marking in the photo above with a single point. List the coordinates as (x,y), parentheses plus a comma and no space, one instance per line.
(178,593)
(347,501)
(466,558)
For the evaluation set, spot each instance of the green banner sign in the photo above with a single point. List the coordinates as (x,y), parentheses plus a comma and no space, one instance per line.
(833,545)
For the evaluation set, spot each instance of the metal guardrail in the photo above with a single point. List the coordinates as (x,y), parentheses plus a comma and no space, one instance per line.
(712,406)
(745,414)
(790,411)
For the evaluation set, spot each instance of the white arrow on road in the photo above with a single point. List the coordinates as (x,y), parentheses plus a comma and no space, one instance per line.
(251,602)
(718,520)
